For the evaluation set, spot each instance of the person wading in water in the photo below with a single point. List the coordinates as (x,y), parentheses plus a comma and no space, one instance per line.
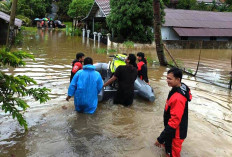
(142,67)
(175,115)
(77,64)
(126,76)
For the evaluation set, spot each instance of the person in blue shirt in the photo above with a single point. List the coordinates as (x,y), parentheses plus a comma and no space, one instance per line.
(85,86)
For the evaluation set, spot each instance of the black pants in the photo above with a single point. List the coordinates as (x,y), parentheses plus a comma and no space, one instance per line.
(124,98)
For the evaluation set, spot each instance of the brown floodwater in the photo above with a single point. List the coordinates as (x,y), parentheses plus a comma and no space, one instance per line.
(55,129)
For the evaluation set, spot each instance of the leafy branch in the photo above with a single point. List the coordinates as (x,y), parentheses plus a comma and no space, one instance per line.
(14,88)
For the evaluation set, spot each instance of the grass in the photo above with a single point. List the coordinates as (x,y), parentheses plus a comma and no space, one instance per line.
(129,44)
(101,50)
(31,29)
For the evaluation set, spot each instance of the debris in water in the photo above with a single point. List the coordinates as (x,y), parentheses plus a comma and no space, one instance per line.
(64,107)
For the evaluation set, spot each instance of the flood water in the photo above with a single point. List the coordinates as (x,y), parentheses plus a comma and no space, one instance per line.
(55,129)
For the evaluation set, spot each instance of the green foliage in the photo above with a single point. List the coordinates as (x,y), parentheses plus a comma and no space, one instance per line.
(149,60)
(190,71)
(101,50)
(26,20)
(186,4)
(229,2)
(193,5)
(13,88)
(112,50)
(166,2)
(128,44)
(131,19)
(79,8)
(34,8)
(63,9)
(5,6)
(201,6)
(19,37)
(162,13)
(30,29)
(178,62)
(71,31)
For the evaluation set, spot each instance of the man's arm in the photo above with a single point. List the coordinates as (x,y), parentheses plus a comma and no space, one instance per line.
(111,80)
(72,86)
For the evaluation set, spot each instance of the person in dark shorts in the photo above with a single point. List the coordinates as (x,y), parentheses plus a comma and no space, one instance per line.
(126,76)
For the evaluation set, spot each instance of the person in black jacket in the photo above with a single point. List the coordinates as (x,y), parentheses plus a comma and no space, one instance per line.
(175,115)
(142,67)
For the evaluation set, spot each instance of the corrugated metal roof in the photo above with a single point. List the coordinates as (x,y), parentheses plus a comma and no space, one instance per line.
(203,32)
(200,19)
(6,17)
(104,5)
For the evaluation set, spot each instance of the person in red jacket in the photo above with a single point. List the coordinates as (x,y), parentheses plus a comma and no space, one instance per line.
(77,64)
(142,67)
(175,115)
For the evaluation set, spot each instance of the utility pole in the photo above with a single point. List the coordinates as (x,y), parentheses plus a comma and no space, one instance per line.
(158,36)
(11,34)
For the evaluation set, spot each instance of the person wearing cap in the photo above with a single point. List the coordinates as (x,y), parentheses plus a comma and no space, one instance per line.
(142,67)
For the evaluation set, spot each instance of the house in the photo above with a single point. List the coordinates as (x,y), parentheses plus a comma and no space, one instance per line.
(179,24)
(4,23)
(98,13)
(197,25)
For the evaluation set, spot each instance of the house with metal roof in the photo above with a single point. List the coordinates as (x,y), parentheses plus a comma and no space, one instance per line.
(4,23)
(197,25)
(180,24)
(98,13)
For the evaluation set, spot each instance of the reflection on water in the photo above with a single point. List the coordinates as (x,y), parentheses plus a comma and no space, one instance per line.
(116,130)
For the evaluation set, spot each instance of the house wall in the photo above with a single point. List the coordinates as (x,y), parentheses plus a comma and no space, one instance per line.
(199,38)
(3,31)
(223,39)
(169,34)
(197,44)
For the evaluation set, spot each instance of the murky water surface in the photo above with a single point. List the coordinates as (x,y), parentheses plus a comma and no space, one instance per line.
(115,130)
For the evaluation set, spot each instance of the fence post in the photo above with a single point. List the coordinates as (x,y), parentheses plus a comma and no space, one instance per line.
(94,35)
(83,32)
(99,37)
(108,40)
(88,31)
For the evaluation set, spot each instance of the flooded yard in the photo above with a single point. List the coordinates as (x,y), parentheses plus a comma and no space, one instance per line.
(55,129)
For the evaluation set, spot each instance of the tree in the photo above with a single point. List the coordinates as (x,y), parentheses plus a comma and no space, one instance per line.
(14,88)
(11,34)
(63,8)
(229,2)
(34,8)
(158,36)
(131,19)
(186,4)
(79,8)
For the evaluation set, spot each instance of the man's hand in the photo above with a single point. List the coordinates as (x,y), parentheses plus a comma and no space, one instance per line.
(158,144)
(67,98)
